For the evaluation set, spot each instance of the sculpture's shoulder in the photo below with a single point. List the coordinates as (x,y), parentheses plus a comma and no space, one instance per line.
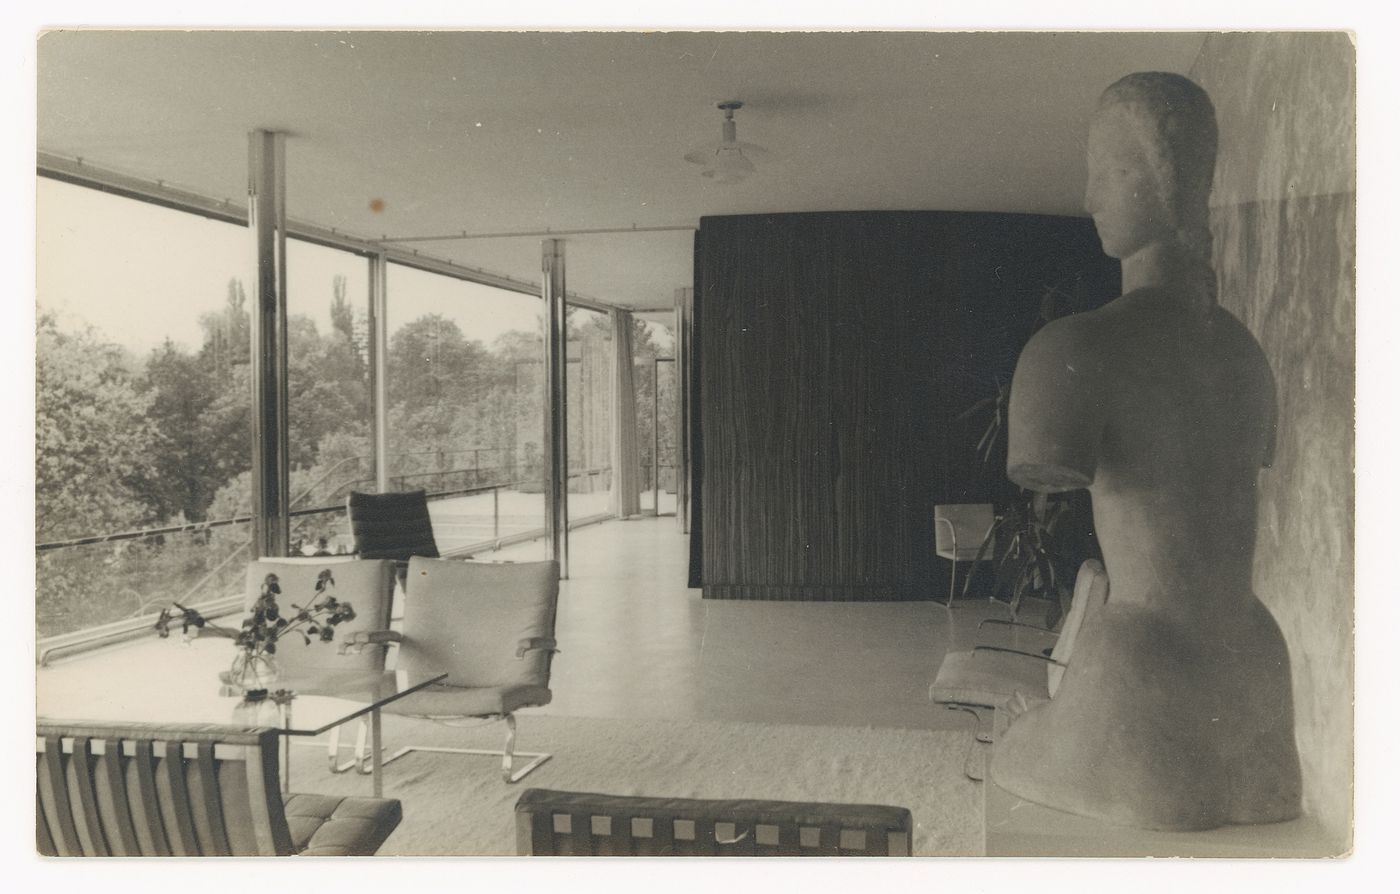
(1234,339)
(1077,341)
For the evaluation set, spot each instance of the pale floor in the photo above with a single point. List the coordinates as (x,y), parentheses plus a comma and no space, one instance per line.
(636,642)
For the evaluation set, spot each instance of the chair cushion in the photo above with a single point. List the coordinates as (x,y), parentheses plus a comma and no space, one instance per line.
(988,679)
(368,585)
(329,826)
(964,553)
(469,619)
(459,701)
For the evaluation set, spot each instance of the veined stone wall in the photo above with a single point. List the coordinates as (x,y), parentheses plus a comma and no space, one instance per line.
(1284,217)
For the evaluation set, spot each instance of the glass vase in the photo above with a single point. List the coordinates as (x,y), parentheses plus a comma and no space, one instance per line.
(250,675)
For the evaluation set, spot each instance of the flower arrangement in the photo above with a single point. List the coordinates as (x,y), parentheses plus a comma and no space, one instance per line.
(257,638)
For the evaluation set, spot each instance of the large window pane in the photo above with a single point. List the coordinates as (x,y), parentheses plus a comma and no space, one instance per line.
(329,412)
(589,404)
(466,405)
(142,407)
(654,379)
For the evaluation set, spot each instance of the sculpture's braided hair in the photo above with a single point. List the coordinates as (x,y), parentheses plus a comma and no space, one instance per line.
(1181,119)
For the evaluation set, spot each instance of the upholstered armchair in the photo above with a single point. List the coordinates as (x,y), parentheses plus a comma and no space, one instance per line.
(490,626)
(959,530)
(997,677)
(367,584)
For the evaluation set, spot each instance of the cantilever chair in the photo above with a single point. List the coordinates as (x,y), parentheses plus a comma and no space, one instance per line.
(491,628)
(367,584)
(583,824)
(992,678)
(959,530)
(160,791)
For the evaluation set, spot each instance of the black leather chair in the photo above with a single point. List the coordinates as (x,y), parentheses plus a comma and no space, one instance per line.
(392,526)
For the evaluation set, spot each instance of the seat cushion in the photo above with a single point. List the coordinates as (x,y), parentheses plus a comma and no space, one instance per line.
(474,701)
(329,826)
(988,679)
(965,553)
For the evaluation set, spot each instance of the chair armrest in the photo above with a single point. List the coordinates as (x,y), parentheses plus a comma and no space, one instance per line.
(1036,655)
(952,532)
(536,644)
(354,643)
(1004,623)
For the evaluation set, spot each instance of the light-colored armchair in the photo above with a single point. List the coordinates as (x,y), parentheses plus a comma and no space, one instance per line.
(959,530)
(491,628)
(367,584)
(997,677)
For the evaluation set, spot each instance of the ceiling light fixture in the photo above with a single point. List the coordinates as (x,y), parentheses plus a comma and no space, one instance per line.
(729,160)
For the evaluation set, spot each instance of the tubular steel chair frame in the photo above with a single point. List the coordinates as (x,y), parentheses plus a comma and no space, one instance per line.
(363,758)
(508,754)
(953,536)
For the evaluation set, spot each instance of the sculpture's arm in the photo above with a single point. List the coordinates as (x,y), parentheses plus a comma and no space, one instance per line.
(1056,417)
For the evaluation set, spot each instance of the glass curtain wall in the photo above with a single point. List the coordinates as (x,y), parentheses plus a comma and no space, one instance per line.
(143,479)
(655,382)
(589,412)
(142,408)
(329,414)
(466,405)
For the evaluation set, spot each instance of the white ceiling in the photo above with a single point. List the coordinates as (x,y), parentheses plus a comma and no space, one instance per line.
(486,132)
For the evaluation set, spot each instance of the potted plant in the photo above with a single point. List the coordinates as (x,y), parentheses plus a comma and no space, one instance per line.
(1038,541)
(254,666)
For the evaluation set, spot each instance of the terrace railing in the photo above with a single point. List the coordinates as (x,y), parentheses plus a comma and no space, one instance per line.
(120,581)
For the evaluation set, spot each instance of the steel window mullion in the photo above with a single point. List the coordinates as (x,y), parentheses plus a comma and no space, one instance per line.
(681,351)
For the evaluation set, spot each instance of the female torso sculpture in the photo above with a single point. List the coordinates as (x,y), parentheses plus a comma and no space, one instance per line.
(1176,709)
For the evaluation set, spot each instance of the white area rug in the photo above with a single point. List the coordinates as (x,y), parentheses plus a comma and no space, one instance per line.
(458,805)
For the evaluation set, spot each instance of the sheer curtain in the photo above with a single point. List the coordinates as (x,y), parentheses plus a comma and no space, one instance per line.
(626,459)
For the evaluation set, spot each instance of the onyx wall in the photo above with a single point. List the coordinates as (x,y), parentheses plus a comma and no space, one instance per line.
(1285,245)
(833,354)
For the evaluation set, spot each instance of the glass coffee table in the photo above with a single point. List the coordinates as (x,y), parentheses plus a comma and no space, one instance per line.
(303,705)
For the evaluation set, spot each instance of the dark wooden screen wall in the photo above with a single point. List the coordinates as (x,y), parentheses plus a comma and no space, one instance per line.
(832,355)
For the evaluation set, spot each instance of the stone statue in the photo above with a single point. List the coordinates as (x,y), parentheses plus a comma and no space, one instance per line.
(1176,709)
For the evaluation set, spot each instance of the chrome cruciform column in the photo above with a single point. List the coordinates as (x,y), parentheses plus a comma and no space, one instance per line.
(267,221)
(379,366)
(555,419)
